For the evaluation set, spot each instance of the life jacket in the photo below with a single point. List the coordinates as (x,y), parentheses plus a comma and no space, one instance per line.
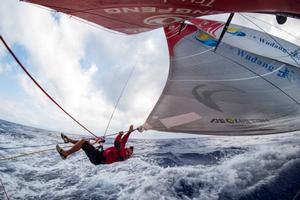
(118,151)
(121,156)
(112,154)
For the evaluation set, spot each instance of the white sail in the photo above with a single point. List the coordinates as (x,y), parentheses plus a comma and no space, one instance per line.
(233,91)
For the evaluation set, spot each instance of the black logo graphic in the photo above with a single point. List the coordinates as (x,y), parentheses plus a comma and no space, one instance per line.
(206,96)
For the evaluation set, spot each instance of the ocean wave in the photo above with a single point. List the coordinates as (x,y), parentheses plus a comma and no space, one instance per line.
(210,168)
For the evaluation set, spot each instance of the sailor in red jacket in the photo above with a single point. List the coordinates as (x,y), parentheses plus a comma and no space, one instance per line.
(116,153)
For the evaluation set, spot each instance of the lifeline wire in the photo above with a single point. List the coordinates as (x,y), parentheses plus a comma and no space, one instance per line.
(41,88)
(4,189)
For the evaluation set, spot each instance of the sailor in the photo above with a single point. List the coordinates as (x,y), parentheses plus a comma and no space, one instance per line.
(116,153)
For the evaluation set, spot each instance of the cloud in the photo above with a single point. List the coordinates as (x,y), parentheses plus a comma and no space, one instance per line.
(57,45)
(2,50)
(54,51)
(4,67)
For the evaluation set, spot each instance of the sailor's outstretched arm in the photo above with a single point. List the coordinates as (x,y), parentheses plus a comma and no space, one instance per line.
(126,136)
(118,138)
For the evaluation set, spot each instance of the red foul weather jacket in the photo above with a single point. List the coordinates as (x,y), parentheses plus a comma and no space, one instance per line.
(117,152)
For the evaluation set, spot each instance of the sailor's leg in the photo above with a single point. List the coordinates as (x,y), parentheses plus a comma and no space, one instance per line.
(77,146)
(73,141)
(66,139)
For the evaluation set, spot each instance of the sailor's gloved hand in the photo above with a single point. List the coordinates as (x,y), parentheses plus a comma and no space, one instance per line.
(140,129)
(130,129)
(99,139)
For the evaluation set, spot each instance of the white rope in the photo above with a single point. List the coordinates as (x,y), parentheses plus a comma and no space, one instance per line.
(118,100)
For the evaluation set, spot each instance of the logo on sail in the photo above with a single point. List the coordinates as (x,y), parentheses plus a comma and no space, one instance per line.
(236,32)
(237,121)
(206,39)
(208,94)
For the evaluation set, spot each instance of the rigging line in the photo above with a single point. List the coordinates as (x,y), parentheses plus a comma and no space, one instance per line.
(198,53)
(278,28)
(293,99)
(104,16)
(102,28)
(41,88)
(290,34)
(37,5)
(4,189)
(112,134)
(295,197)
(52,8)
(21,147)
(118,100)
(271,38)
(28,154)
(79,19)
(124,132)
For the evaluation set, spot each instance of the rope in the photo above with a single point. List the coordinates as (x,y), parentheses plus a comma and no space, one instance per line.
(118,100)
(124,132)
(34,146)
(275,86)
(102,28)
(295,197)
(278,28)
(41,88)
(45,150)
(291,56)
(43,145)
(4,189)
(86,11)
(28,154)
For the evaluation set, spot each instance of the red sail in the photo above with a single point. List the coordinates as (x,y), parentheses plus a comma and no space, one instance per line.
(131,16)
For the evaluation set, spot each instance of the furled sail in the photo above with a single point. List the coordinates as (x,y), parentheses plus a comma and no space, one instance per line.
(237,90)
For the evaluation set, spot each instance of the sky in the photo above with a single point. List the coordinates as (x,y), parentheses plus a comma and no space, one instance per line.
(84,67)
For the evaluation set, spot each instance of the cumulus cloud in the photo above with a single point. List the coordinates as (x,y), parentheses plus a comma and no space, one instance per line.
(56,45)
(54,51)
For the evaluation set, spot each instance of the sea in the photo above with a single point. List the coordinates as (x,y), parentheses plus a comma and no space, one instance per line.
(200,168)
